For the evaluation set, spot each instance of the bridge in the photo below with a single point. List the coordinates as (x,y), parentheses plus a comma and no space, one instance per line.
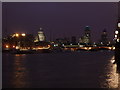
(88,48)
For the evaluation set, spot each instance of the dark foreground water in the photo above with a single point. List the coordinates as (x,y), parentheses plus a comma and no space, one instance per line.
(60,70)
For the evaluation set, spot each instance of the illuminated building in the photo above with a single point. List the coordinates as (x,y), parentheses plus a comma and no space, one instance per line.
(86,39)
(40,36)
(17,40)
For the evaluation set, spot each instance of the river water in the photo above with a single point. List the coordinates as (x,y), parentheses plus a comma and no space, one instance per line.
(82,69)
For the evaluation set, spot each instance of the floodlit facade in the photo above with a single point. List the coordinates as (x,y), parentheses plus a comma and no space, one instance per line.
(40,36)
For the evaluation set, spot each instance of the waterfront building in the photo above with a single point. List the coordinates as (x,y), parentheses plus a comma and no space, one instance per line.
(18,40)
(40,36)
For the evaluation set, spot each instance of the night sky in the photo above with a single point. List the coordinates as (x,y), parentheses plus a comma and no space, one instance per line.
(60,19)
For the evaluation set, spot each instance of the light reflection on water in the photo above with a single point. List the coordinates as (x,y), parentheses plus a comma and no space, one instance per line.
(20,72)
(29,71)
(112,77)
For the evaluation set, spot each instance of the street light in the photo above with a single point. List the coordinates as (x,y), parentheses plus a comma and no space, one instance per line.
(116,32)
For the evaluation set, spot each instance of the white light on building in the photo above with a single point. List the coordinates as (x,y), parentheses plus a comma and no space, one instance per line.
(40,36)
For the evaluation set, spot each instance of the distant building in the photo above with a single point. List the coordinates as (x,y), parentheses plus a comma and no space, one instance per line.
(73,40)
(18,40)
(86,39)
(104,38)
(66,40)
(40,37)
(61,41)
(87,31)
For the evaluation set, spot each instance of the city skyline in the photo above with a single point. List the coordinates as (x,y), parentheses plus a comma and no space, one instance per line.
(60,19)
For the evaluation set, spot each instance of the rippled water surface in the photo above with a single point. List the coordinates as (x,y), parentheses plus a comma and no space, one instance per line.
(60,70)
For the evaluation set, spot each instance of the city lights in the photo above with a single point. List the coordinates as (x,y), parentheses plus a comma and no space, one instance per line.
(110,47)
(23,34)
(60,45)
(113,48)
(90,48)
(86,48)
(22,44)
(17,35)
(17,47)
(7,46)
